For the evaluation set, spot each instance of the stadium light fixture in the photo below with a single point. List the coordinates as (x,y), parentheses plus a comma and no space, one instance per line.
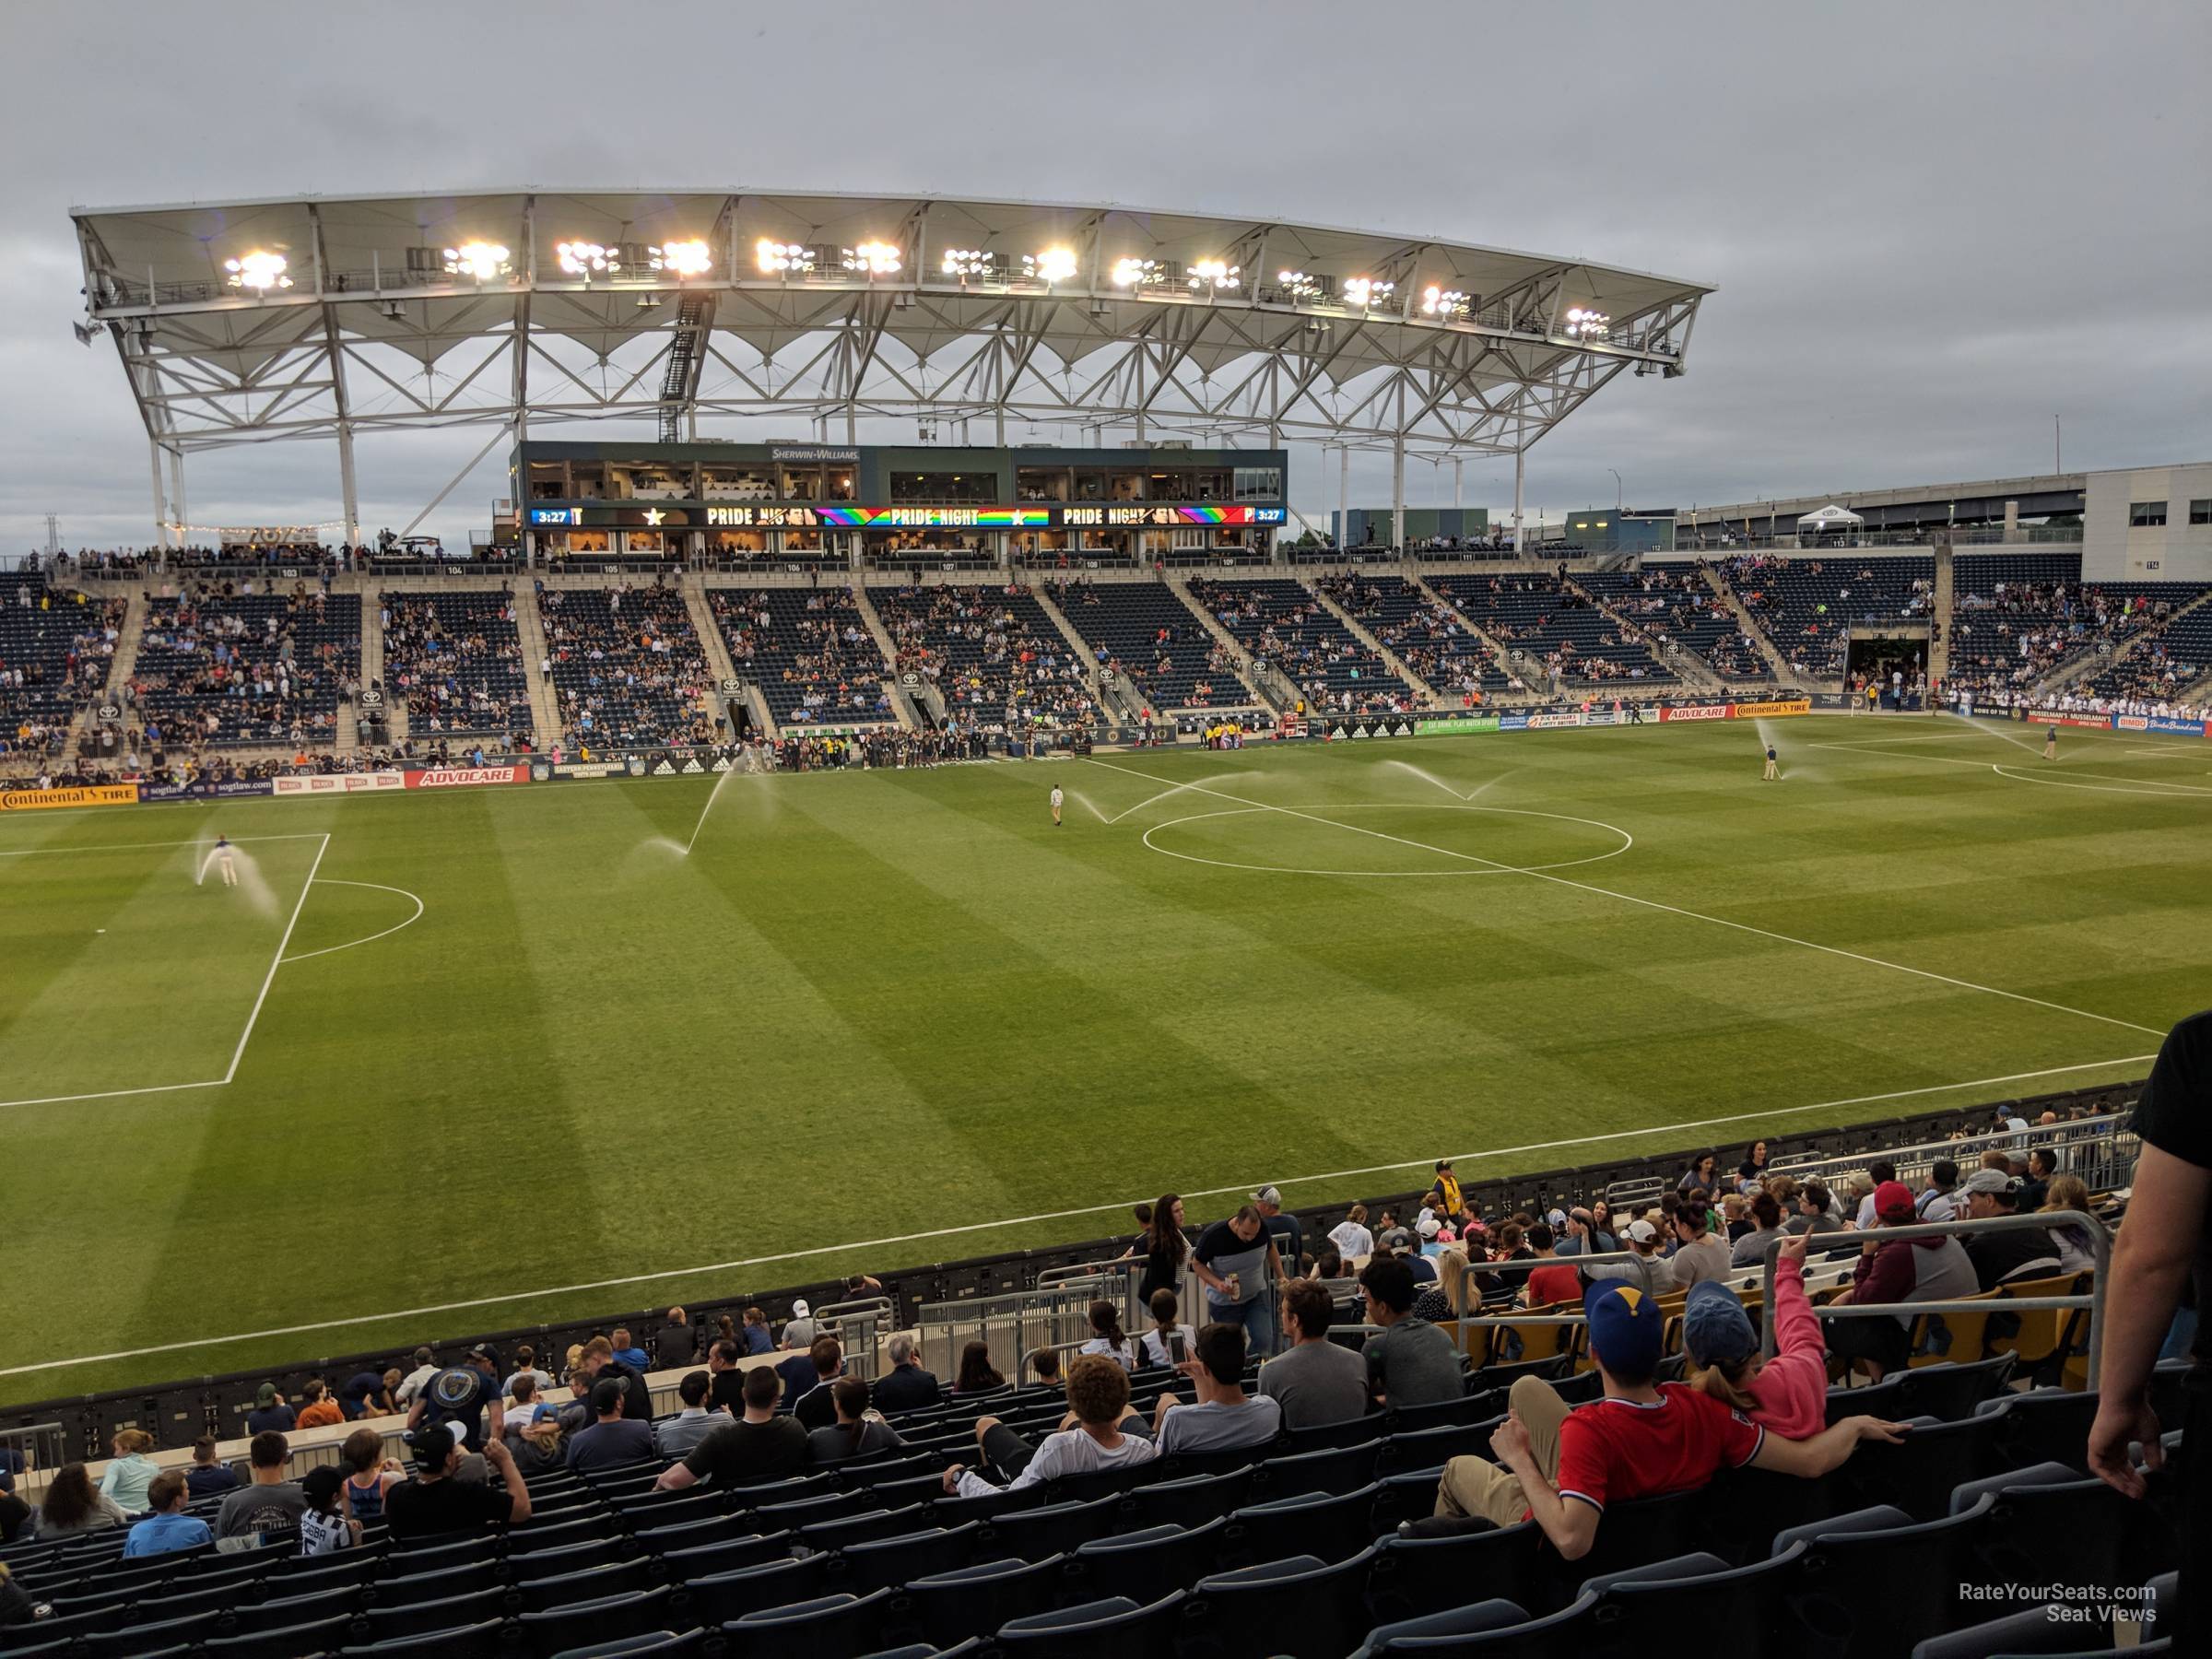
(1585,324)
(259,271)
(1299,285)
(1054,264)
(688,257)
(1444,301)
(486,261)
(873,259)
(585,259)
(1362,293)
(1217,274)
(1136,273)
(967,262)
(775,256)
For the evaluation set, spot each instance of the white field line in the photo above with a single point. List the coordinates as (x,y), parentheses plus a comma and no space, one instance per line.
(275,962)
(592,1286)
(372,938)
(1674,910)
(1885,754)
(140,846)
(2142,786)
(237,1053)
(1164,793)
(1991,732)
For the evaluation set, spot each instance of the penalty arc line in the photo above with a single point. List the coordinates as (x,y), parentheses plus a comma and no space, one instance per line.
(1674,910)
(373,937)
(470,1303)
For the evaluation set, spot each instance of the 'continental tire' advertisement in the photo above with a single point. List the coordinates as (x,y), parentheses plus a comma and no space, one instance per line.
(1757,710)
(87,795)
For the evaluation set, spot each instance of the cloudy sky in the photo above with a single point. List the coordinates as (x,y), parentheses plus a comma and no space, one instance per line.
(1934,226)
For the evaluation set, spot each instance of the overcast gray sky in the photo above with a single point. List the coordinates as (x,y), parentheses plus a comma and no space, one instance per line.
(1934,226)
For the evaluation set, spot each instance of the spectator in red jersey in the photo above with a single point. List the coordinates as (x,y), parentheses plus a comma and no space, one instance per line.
(1642,1440)
(1549,1285)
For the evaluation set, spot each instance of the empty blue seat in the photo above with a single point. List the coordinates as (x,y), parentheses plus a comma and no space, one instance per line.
(470,1641)
(1148,1563)
(285,1642)
(1411,1578)
(727,1555)
(656,1644)
(828,1624)
(721,1597)
(1300,1605)
(878,1564)
(422,1618)
(1116,1628)
(1328,1524)
(976,1600)
(1337,1469)
(1461,1629)
(1052,1530)
(603,1618)
(1188,1502)
(1918,1566)
(588,1583)
(1680,1592)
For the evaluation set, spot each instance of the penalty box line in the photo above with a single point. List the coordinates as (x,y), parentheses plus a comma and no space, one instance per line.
(1672,910)
(1766,1114)
(252,1017)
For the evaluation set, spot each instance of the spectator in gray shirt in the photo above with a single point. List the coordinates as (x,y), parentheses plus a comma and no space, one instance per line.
(1316,1381)
(1699,1254)
(675,1437)
(1224,1419)
(1410,1361)
(1815,1212)
(1751,1249)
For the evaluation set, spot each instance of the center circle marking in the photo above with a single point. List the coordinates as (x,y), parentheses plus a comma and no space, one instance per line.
(1471,865)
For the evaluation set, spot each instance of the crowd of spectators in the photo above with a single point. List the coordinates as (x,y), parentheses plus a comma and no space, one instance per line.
(809,650)
(56,649)
(1283,625)
(992,655)
(242,663)
(626,665)
(456,660)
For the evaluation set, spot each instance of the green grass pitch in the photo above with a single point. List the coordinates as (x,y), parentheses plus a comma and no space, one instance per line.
(886,1006)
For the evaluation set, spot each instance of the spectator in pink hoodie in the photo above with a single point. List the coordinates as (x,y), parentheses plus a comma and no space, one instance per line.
(1787,1395)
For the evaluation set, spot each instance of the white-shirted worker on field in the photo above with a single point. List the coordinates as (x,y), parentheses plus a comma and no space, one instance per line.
(226,861)
(1056,800)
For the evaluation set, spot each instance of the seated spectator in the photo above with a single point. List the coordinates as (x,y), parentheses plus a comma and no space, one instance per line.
(1699,1254)
(324,1527)
(1587,1236)
(755,1334)
(674,1437)
(540,1447)
(1787,1393)
(130,1472)
(2018,1254)
(1879,1170)
(166,1527)
(409,1386)
(207,1477)
(369,1393)
(433,1502)
(815,1407)
(1106,1336)
(1223,1418)
(1353,1241)
(317,1409)
(1546,1287)
(1168,1342)
(858,1430)
(2042,1164)
(763,1444)
(1560,1467)
(1815,1211)
(681,1341)
(1902,1271)
(268,1506)
(270,1412)
(598,1360)
(14,1515)
(2076,1246)
(611,1441)
(1750,1249)
(1314,1380)
(1447,1299)
(800,1330)
(726,1377)
(1734,1221)
(629,1353)
(369,1475)
(525,1365)
(906,1386)
(977,1374)
(1044,1368)
(1936,1201)
(1097,1395)
(1410,1361)
(71,1505)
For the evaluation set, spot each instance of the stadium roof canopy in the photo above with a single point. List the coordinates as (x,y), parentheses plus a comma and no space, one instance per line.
(245,322)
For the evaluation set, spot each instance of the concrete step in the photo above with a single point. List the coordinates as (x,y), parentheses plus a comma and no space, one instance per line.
(120,668)
(544,705)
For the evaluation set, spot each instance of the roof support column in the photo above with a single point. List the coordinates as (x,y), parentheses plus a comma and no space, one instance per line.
(1458,496)
(153,454)
(346,488)
(1519,474)
(1344,495)
(1398,493)
(176,492)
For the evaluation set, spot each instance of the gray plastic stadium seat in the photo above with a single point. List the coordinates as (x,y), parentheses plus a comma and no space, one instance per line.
(1437,1631)
(1113,1628)
(950,1605)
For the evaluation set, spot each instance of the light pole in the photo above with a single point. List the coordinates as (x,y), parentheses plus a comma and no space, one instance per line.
(1618,491)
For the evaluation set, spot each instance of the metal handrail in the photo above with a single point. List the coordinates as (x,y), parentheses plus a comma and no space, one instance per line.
(2100,1239)
(2073,1133)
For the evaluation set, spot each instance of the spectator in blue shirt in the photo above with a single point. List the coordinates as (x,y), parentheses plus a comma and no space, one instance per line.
(207,1477)
(629,1353)
(166,1527)
(756,1337)
(270,1412)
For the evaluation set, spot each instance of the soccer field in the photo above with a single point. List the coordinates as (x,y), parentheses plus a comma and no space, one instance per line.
(505,1047)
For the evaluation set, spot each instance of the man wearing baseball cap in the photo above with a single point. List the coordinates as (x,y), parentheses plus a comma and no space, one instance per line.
(1283,1231)
(1560,1468)
(2019,1253)
(1901,1270)
(1648,1271)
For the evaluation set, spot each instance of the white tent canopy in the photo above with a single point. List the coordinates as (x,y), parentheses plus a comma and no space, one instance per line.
(1831,517)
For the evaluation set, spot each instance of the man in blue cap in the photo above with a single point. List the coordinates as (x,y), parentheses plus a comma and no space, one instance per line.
(1642,1440)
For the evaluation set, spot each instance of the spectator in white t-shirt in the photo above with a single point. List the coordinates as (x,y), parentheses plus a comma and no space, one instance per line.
(1351,1237)
(1224,1418)
(1107,1338)
(426,1366)
(1097,1395)
(1168,1342)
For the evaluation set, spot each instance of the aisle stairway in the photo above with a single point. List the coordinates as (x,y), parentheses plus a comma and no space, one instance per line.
(1783,674)
(120,668)
(1358,630)
(1265,686)
(1117,697)
(544,706)
(1497,647)
(902,704)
